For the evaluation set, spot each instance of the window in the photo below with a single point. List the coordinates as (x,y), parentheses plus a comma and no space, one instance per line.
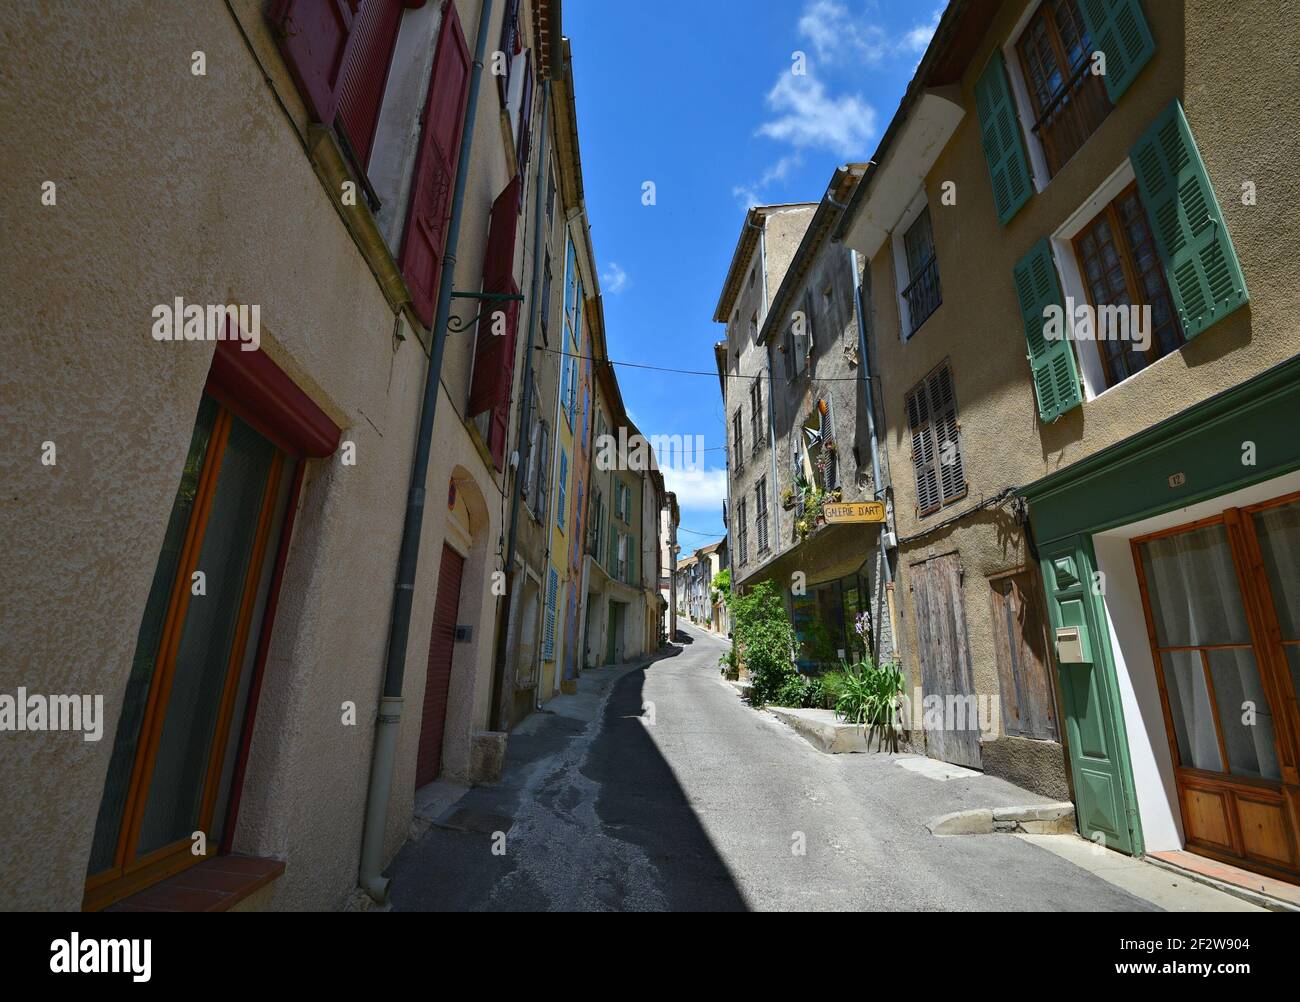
(622,556)
(519,107)
(753,326)
(176,764)
(737,441)
(542,483)
(922,294)
(760,513)
(546,299)
(1121,268)
(756,413)
(562,486)
(936,442)
(742,533)
(1069,101)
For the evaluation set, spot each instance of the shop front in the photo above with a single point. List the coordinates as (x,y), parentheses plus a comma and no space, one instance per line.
(1172,562)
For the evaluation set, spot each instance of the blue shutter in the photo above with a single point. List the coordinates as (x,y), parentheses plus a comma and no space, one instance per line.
(548,642)
(560,491)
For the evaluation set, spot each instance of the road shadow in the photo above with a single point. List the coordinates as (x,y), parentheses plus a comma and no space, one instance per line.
(641,802)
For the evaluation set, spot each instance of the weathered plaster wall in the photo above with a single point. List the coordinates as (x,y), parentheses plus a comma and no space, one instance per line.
(170,184)
(1237,83)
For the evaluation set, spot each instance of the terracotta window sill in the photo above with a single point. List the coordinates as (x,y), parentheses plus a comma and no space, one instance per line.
(212,886)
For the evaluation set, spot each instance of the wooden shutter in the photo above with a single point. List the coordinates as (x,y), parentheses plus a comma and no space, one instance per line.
(314,37)
(1004,146)
(560,489)
(361,90)
(1056,379)
(494,354)
(425,239)
(924,460)
(1200,264)
(1119,29)
(947,437)
(544,473)
(548,642)
(1020,640)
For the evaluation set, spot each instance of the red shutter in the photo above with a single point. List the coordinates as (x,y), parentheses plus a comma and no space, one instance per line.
(314,37)
(425,239)
(361,90)
(494,353)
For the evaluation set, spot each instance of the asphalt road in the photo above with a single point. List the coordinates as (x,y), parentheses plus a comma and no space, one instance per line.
(658,788)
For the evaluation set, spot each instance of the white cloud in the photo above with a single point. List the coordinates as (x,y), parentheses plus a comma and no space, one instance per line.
(836,34)
(839,35)
(748,194)
(702,490)
(918,37)
(613,279)
(807,116)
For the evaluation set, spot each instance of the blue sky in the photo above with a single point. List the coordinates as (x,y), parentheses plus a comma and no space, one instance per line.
(700,98)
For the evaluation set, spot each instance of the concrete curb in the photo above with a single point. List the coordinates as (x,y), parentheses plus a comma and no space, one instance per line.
(1032,819)
(823,731)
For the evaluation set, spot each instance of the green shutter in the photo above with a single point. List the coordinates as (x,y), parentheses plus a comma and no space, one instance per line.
(1119,29)
(1056,380)
(1004,146)
(1200,264)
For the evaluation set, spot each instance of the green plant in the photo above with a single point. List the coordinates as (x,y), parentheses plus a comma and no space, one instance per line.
(763,640)
(795,691)
(720,586)
(727,664)
(869,698)
(830,688)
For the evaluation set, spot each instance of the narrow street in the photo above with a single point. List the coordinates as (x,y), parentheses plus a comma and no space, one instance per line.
(676,795)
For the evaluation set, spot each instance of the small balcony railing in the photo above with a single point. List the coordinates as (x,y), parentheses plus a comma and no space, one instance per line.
(924,295)
(1072,116)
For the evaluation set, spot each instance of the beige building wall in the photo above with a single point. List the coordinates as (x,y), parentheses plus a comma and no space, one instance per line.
(175,185)
(1236,83)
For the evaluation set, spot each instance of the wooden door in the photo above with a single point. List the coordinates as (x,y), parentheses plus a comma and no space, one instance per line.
(1024,677)
(438,680)
(945,661)
(1222,603)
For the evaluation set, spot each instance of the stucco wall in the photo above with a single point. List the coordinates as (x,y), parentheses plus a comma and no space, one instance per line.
(1237,83)
(171,184)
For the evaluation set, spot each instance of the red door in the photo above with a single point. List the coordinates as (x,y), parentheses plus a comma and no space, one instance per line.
(429,759)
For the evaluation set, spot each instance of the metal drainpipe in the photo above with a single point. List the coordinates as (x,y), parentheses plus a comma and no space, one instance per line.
(371,878)
(864,367)
(771,402)
(500,717)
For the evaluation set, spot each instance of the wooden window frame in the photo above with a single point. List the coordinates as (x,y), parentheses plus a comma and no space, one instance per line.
(1132,281)
(255,390)
(1268,647)
(1074,81)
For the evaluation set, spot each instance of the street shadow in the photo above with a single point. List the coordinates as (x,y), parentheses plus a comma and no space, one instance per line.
(641,802)
(683,637)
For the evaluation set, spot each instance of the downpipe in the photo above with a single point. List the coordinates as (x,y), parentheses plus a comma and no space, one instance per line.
(371,878)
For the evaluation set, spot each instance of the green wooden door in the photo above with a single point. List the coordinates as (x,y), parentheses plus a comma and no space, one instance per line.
(1103,780)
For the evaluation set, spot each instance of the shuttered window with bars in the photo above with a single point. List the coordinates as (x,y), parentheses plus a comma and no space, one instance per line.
(760,514)
(936,441)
